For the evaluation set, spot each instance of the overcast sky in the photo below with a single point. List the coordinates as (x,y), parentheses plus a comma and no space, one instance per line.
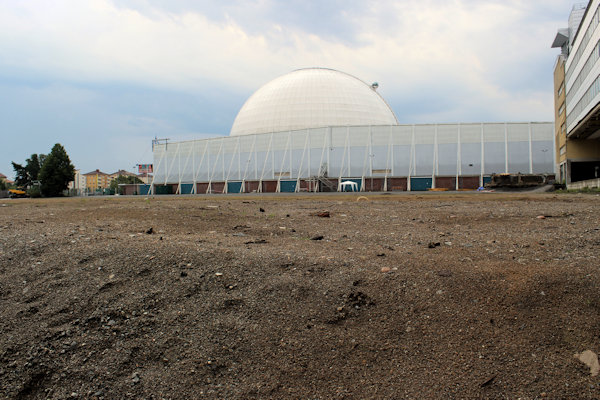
(104,77)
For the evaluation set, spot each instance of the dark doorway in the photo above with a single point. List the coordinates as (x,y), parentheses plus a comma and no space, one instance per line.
(584,170)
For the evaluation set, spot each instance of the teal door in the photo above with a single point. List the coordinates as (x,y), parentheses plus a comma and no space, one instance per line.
(234,187)
(420,184)
(287,186)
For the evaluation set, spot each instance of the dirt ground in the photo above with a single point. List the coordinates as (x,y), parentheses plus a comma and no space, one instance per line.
(475,295)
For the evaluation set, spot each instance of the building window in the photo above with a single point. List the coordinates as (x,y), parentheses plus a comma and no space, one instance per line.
(561,88)
(563,150)
(561,109)
(563,129)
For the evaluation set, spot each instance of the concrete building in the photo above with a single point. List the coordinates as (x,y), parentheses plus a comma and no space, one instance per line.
(79,182)
(577,97)
(314,128)
(96,180)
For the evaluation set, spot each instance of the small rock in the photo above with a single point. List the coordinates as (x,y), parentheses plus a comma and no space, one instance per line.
(381,255)
(135,378)
(318,237)
(541,217)
(590,359)
(218,274)
(261,209)
(150,231)
(183,274)
(433,245)
(385,269)
(324,214)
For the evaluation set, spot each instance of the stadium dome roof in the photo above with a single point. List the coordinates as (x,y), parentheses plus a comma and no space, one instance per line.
(312,98)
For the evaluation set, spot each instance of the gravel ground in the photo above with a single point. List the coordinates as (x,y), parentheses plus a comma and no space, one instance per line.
(483,295)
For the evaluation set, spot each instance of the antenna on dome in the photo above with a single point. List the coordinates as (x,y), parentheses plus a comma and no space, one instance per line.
(374,85)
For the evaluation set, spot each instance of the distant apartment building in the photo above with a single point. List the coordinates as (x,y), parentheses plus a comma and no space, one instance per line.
(120,172)
(97,179)
(577,96)
(79,182)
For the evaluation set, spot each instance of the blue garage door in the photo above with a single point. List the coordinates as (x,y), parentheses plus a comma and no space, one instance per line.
(143,190)
(186,188)
(234,187)
(420,184)
(287,186)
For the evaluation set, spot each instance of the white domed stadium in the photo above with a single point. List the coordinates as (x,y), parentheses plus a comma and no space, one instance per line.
(318,129)
(312,98)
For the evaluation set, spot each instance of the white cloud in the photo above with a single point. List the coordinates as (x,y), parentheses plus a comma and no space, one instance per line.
(436,61)
(402,41)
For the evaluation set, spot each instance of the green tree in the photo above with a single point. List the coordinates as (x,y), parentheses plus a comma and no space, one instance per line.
(56,172)
(33,165)
(21,176)
(2,184)
(26,175)
(126,179)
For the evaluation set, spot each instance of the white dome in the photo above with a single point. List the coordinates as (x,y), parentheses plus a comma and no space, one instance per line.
(312,98)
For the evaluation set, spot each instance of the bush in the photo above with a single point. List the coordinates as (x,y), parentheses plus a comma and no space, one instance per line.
(34,192)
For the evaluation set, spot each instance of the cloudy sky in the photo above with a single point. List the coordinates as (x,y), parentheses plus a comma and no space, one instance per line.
(104,77)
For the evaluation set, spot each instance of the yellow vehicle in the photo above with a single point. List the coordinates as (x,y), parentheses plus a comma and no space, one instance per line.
(16,193)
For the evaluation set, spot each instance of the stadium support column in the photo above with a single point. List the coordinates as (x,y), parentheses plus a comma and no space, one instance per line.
(262,174)
(239,160)
(434,167)
(530,151)
(208,165)
(370,157)
(178,191)
(412,158)
(482,158)
(458,158)
(328,149)
(278,188)
(308,149)
(222,158)
(158,166)
(302,165)
(291,158)
(170,167)
(199,166)
(505,148)
(347,150)
(235,150)
(387,161)
(193,167)
(344,155)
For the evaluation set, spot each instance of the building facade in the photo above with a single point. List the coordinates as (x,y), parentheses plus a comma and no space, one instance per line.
(577,96)
(79,182)
(383,157)
(315,128)
(96,180)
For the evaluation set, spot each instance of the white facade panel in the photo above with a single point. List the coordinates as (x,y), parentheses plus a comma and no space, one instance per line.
(360,152)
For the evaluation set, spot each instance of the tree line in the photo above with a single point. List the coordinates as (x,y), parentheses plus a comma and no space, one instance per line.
(45,175)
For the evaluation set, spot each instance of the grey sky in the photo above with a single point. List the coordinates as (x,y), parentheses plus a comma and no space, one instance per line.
(104,77)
